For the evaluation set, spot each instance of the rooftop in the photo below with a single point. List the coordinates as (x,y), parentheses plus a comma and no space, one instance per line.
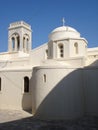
(18,24)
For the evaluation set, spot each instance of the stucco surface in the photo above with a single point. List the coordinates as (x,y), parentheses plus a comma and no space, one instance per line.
(62,74)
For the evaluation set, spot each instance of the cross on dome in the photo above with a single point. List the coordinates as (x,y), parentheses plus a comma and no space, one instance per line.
(63,20)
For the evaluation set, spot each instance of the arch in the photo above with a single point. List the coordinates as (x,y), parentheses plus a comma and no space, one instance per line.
(18,43)
(85,46)
(23,42)
(26,84)
(76,47)
(15,42)
(0,83)
(44,78)
(60,50)
(46,54)
(26,42)
(27,45)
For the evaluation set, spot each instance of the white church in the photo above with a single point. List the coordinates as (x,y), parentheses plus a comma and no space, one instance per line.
(57,80)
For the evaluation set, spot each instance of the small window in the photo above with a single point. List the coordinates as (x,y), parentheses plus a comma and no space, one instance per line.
(0,84)
(26,42)
(13,43)
(46,54)
(61,51)
(23,42)
(76,48)
(27,46)
(95,56)
(18,43)
(44,78)
(26,84)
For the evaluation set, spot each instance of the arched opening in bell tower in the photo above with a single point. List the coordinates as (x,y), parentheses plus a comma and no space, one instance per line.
(18,43)
(19,37)
(13,43)
(15,39)
(26,43)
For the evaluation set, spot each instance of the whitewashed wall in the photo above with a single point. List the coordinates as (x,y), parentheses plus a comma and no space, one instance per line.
(12,94)
(38,55)
(61,95)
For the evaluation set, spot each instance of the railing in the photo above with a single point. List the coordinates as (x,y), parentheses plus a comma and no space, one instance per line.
(19,23)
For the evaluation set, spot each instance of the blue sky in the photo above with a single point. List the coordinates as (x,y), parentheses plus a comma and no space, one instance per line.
(46,15)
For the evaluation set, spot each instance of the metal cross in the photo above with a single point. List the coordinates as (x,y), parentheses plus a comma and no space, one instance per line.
(63,20)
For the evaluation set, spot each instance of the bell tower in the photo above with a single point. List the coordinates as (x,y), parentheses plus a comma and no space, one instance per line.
(19,37)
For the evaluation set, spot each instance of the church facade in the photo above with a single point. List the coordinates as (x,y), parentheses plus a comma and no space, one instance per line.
(57,80)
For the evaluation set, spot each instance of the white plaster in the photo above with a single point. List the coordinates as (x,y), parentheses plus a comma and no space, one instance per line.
(69,89)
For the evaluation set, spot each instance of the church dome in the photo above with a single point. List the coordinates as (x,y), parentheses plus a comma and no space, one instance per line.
(63,32)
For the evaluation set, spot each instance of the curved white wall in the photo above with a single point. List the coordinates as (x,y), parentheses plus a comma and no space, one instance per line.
(57,97)
(63,35)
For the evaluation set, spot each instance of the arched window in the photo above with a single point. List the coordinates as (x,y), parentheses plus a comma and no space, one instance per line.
(0,84)
(23,42)
(26,42)
(61,51)
(26,84)
(18,43)
(44,78)
(46,54)
(27,45)
(76,48)
(13,43)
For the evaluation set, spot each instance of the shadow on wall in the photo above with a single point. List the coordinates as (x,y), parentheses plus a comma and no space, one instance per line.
(65,100)
(27,97)
(72,97)
(75,94)
(27,102)
(95,63)
(90,74)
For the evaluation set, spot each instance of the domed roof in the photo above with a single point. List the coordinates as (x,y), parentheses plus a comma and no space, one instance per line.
(64,28)
(64,32)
